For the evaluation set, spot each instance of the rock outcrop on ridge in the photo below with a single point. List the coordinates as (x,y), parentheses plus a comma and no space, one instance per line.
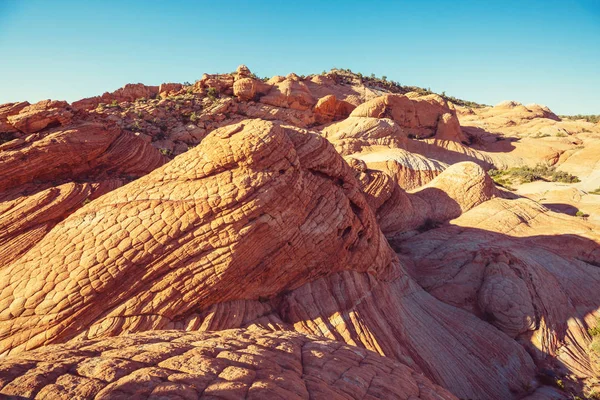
(322,219)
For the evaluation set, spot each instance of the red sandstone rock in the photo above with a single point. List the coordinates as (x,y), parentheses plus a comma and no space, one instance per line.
(420,116)
(166,89)
(35,117)
(289,92)
(329,109)
(84,150)
(7,110)
(229,364)
(456,190)
(263,225)
(275,205)
(223,83)
(129,92)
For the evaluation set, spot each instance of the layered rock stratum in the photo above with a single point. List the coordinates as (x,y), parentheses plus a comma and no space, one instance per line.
(328,236)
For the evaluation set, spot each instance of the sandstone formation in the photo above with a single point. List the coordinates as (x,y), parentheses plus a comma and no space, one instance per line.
(528,271)
(35,117)
(324,218)
(129,92)
(456,190)
(228,364)
(421,117)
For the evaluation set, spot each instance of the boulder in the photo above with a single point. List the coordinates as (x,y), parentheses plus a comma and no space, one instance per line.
(41,115)
(7,110)
(329,109)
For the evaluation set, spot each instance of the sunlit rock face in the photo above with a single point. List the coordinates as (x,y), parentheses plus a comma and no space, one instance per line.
(321,219)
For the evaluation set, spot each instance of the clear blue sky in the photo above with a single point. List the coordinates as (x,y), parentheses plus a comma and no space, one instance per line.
(545,52)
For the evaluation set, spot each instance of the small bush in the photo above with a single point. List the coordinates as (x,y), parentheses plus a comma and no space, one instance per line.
(540,135)
(561,134)
(596,191)
(113,104)
(595,331)
(564,177)
(212,94)
(194,117)
(165,152)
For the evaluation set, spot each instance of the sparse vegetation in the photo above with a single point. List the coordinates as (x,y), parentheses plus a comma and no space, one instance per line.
(6,137)
(193,117)
(595,331)
(165,152)
(561,134)
(519,175)
(540,135)
(342,76)
(564,177)
(212,94)
(113,104)
(595,191)
(594,118)
(135,126)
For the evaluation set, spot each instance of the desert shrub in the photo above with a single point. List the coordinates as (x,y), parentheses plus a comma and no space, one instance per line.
(165,152)
(540,135)
(564,177)
(531,174)
(212,93)
(561,134)
(135,126)
(560,384)
(500,178)
(582,214)
(596,191)
(595,331)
